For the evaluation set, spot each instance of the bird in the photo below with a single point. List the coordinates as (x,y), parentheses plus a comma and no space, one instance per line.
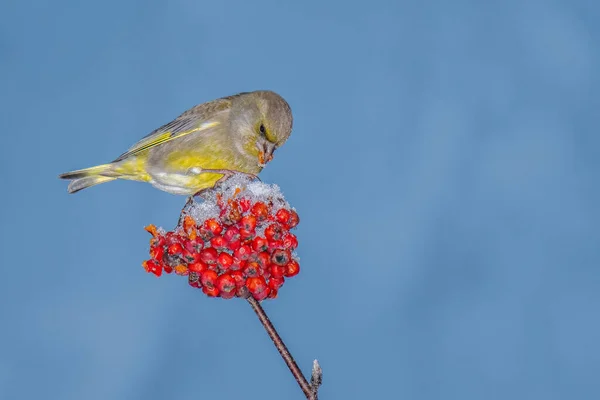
(202,147)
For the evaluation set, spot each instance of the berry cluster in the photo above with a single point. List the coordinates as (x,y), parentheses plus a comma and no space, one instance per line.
(235,243)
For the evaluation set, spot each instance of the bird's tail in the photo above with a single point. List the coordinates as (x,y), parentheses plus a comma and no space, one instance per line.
(85,178)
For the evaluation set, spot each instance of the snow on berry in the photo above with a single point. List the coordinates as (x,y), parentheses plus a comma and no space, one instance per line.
(234,241)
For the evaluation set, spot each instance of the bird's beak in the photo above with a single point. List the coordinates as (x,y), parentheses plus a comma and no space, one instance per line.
(266,154)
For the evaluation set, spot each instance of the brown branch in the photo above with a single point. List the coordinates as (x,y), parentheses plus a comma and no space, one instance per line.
(310,390)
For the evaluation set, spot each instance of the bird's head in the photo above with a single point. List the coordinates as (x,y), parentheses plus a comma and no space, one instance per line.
(263,120)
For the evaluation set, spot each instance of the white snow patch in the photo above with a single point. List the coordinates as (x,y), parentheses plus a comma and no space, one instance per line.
(206,205)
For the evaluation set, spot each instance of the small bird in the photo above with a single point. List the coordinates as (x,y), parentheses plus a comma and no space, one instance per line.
(204,145)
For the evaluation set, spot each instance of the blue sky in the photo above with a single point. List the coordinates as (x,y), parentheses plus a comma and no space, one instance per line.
(444,162)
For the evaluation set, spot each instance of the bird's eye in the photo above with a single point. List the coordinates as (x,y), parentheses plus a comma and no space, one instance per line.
(262,129)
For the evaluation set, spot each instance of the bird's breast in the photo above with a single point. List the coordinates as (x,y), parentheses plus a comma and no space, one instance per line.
(178,167)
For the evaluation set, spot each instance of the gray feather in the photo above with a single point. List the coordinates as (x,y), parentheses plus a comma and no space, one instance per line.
(88,181)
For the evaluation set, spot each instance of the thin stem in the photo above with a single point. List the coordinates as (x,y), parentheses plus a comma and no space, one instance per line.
(316,379)
(308,390)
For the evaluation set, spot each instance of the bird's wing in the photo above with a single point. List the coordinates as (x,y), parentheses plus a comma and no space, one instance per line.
(197,119)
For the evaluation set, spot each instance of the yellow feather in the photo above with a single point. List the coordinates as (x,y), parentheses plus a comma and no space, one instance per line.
(186,159)
(133,168)
(155,140)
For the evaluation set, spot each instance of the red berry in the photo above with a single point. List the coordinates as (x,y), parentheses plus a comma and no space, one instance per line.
(282,216)
(292,268)
(260,210)
(198,266)
(152,266)
(276,283)
(255,282)
(281,257)
(204,234)
(158,241)
(277,271)
(175,249)
(288,218)
(276,245)
(266,273)
(252,269)
(234,204)
(243,252)
(290,241)
(248,222)
(263,259)
(238,277)
(234,245)
(273,232)
(209,255)
(191,257)
(208,278)
(238,264)
(218,242)
(293,220)
(225,260)
(273,293)
(260,244)
(227,286)
(245,204)
(212,291)
(194,245)
(229,295)
(193,279)
(234,215)
(213,226)
(168,269)
(258,287)
(232,234)
(247,233)
(262,295)
(157,253)
(170,238)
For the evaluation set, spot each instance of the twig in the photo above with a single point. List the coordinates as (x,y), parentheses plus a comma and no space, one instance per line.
(316,379)
(310,391)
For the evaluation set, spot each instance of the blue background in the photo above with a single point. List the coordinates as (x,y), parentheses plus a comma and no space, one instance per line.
(444,162)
